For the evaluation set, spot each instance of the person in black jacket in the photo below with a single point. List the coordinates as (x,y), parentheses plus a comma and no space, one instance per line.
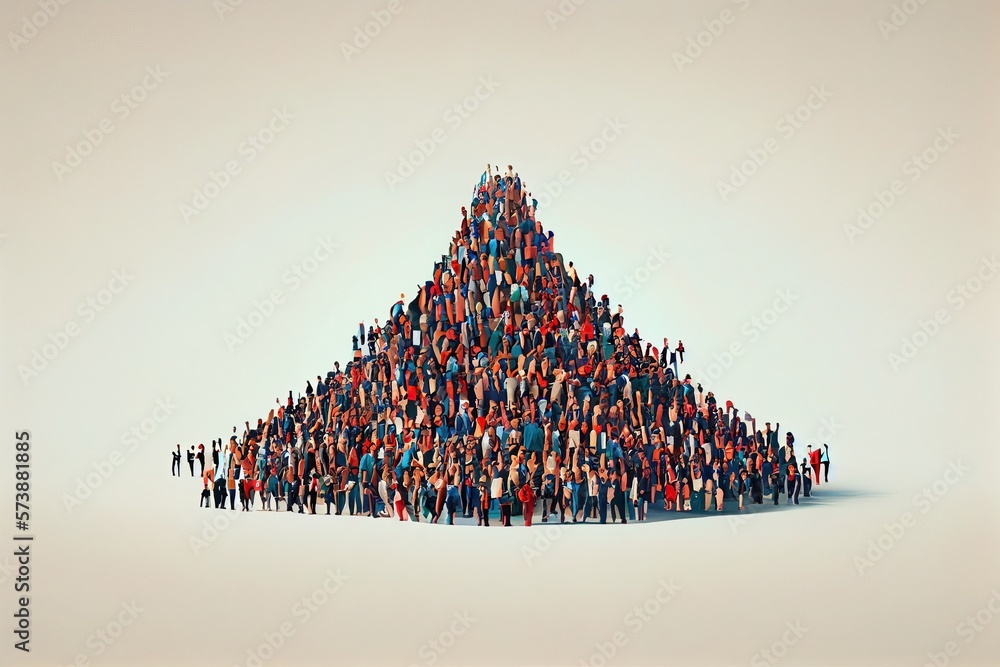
(756,488)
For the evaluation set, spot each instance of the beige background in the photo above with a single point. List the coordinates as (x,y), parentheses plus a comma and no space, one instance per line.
(823,362)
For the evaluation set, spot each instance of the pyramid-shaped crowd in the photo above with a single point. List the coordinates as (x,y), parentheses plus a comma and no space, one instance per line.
(506,387)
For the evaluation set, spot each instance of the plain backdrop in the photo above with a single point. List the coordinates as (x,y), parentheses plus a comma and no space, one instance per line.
(693,91)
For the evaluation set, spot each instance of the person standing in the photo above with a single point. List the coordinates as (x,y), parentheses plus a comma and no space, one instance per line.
(793,484)
(175,466)
(603,491)
(231,487)
(484,502)
(775,483)
(643,494)
(273,490)
(526,495)
(804,474)
(205,494)
(201,458)
(824,459)
(190,459)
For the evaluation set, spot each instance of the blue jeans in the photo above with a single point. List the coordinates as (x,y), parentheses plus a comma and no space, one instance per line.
(452,502)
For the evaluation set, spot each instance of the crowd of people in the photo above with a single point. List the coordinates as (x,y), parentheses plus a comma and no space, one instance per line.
(508,387)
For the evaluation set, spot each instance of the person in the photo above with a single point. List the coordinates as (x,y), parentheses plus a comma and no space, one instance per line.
(593,483)
(604,495)
(452,500)
(618,497)
(526,495)
(484,502)
(313,494)
(326,490)
(505,497)
(793,484)
(205,494)
(806,479)
(175,466)
(244,489)
(201,457)
(220,488)
(775,483)
(273,489)
(756,488)
(231,487)
(367,470)
(814,456)
(190,460)
(825,460)
(643,494)
(292,485)
(548,494)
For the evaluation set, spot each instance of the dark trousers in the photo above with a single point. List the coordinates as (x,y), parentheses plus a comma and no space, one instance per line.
(504,514)
(175,468)
(619,506)
(191,465)
(205,496)
(220,493)
(826,471)
(602,508)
